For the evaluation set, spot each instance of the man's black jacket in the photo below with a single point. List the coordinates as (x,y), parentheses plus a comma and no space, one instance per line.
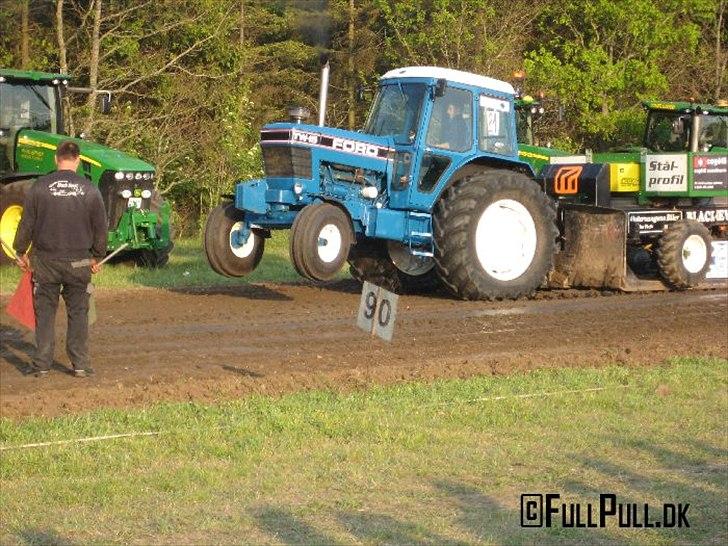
(63,217)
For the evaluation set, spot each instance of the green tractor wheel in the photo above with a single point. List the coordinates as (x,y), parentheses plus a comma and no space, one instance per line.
(13,196)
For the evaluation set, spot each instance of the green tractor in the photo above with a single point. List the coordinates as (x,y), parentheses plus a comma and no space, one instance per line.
(648,217)
(31,127)
(528,111)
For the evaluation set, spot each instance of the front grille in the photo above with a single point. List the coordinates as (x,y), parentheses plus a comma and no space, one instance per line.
(113,201)
(287,161)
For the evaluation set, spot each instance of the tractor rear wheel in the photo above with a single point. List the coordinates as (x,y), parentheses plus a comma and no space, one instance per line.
(390,265)
(12,197)
(684,254)
(495,236)
(321,237)
(224,254)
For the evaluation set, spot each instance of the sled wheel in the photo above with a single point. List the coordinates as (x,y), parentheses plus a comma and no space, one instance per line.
(684,254)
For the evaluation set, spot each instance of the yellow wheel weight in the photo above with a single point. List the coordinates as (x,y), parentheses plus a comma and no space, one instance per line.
(9,225)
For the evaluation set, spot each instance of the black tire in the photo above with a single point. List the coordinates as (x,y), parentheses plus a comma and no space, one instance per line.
(12,198)
(316,223)
(456,220)
(684,253)
(370,260)
(224,258)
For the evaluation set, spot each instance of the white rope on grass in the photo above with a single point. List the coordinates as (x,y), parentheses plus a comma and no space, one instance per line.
(535,394)
(157,433)
(83,440)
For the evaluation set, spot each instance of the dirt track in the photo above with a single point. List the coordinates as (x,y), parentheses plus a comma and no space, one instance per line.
(214,344)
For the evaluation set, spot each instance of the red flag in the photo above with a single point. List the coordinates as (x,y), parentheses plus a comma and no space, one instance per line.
(20,306)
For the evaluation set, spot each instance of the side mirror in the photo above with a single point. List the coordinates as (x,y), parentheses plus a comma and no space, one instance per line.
(440,87)
(105,103)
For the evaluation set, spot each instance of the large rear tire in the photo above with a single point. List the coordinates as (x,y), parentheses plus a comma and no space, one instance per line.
(495,236)
(684,253)
(12,197)
(224,254)
(384,264)
(321,237)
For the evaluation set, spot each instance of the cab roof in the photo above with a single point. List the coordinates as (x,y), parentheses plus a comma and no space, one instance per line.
(32,75)
(458,76)
(684,106)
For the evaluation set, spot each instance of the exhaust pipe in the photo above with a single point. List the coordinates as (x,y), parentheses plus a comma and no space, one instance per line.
(323,93)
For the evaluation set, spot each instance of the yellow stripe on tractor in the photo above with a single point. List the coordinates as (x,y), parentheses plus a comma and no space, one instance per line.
(38,144)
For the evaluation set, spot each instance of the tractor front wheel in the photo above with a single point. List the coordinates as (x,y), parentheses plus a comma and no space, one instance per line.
(321,237)
(224,253)
(12,198)
(684,254)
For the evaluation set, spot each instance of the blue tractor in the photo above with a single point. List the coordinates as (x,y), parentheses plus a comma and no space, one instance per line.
(430,191)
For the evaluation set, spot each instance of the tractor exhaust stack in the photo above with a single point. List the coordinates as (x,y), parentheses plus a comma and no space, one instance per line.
(323,93)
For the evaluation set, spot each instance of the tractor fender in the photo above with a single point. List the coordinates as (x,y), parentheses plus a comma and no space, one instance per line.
(481,163)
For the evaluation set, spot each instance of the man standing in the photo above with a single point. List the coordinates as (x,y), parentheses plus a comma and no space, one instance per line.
(65,221)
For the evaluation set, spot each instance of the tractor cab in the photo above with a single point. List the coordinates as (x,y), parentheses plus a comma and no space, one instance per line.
(28,100)
(686,127)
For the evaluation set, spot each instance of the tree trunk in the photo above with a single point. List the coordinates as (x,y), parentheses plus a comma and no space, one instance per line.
(242,22)
(63,66)
(721,57)
(352,75)
(24,35)
(93,69)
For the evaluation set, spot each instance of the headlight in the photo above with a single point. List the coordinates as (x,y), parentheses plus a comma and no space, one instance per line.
(138,176)
(147,176)
(130,176)
(298,188)
(146,194)
(119,176)
(126,194)
(370,192)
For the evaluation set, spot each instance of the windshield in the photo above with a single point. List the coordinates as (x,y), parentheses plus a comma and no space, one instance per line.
(396,110)
(668,131)
(24,105)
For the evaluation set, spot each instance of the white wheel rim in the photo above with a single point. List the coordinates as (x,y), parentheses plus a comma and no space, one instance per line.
(329,243)
(407,262)
(505,239)
(694,253)
(241,251)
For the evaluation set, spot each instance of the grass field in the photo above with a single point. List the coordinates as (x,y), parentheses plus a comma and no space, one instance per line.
(187,267)
(439,463)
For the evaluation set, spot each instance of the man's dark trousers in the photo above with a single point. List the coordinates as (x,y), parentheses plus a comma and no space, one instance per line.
(51,278)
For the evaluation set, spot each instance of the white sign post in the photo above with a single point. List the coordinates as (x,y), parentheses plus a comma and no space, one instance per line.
(377,311)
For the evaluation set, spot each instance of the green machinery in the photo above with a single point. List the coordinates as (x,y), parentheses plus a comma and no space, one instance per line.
(648,217)
(31,127)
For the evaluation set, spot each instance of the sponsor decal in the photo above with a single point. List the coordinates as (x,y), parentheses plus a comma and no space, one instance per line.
(652,221)
(296,136)
(710,172)
(718,261)
(708,216)
(566,181)
(666,173)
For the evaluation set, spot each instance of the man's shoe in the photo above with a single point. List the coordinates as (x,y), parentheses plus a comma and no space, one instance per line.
(83,372)
(41,373)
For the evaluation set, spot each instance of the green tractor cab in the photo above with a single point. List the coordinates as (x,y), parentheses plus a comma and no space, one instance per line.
(528,110)
(31,127)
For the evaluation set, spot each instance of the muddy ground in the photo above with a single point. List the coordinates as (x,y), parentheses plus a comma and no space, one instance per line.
(215,344)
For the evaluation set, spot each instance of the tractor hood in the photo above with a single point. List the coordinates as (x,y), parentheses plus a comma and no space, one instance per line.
(36,144)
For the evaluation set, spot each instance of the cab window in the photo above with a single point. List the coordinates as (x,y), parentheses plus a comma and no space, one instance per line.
(494,125)
(451,121)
